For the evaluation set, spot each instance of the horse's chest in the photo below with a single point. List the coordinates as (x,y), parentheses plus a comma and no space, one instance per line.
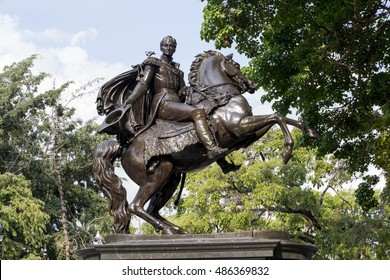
(237,109)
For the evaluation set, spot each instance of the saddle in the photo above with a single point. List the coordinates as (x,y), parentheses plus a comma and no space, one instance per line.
(168,137)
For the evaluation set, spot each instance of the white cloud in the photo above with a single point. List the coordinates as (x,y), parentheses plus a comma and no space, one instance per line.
(61,54)
(49,35)
(72,55)
(12,45)
(60,37)
(64,56)
(83,36)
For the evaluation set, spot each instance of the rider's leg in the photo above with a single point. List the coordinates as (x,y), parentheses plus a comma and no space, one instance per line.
(204,134)
(175,111)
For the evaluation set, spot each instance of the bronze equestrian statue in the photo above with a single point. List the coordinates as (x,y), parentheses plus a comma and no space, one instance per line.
(165,129)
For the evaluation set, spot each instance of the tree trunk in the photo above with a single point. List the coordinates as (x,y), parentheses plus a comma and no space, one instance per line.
(64,221)
(58,171)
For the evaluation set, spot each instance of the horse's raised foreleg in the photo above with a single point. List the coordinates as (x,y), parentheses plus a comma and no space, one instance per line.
(288,140)
(260,133)
(154,182)
(260,125)
(304,127)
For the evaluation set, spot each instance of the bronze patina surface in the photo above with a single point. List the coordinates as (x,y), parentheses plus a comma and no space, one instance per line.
(166,129)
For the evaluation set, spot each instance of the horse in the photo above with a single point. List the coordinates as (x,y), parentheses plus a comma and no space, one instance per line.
(217,85)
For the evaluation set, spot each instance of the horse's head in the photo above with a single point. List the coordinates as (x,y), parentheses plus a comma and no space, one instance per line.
(232,70)
(212,69)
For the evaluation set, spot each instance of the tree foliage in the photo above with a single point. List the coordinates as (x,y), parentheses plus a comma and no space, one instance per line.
(41,140)
(310,197)
(23,218)
(328,59)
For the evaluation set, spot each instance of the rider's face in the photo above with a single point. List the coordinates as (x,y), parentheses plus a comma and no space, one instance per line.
(168,47)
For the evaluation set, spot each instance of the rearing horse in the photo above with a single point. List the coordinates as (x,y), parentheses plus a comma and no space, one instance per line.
(217,85)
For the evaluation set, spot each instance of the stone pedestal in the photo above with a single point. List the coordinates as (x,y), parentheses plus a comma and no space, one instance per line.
(242,245)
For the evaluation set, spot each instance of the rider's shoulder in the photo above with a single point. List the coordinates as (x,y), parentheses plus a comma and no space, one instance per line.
(152,61)
(158,62)
(176,65)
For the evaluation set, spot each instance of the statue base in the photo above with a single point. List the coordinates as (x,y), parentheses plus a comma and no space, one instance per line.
(241,245)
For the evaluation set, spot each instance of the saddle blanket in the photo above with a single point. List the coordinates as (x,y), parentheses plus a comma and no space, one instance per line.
(168,137)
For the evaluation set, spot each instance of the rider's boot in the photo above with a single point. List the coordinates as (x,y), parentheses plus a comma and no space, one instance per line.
(204,134)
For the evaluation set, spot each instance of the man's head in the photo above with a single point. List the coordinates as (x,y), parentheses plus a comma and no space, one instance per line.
(168,45)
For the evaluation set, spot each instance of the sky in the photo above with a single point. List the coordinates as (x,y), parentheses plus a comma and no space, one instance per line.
(81,40)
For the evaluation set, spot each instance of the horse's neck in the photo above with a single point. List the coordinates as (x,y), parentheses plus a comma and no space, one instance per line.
(211,73)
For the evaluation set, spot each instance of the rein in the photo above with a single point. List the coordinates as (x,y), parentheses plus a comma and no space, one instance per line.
(218,85)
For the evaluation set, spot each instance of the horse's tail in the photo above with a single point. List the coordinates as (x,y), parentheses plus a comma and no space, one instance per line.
(111,185)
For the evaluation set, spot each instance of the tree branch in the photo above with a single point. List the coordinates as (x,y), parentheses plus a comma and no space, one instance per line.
(342,164)
(307,214)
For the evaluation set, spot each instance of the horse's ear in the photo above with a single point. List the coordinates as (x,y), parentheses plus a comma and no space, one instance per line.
(229,57)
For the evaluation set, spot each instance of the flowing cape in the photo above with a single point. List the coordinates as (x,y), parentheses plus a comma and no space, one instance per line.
(113,93)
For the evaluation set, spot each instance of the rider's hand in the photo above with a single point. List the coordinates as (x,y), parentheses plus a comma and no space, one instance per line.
(183,93)
(127,103)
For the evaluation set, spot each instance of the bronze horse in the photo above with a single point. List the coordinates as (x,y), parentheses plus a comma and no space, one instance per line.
(217,85)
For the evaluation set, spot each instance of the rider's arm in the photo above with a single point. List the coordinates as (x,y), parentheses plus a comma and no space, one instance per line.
(182,85)
(182,82)
(142,85)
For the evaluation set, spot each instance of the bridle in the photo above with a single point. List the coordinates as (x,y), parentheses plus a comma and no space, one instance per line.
(217,85)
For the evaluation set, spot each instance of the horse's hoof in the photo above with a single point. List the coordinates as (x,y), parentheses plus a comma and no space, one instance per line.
(181,231)
(310,132)
(167,231)
(170,231)
(287,154)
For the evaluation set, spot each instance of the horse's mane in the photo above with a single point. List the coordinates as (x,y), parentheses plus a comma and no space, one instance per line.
(193,77)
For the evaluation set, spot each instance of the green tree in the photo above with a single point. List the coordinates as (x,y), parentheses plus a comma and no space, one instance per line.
(349,232)
(41,139)
(328,59)
(23,218)
(306,198)
(21,109)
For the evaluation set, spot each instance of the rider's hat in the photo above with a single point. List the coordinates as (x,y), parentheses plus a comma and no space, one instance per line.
(112,122)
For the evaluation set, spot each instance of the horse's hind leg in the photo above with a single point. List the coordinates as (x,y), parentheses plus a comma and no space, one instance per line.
(160,199)
(154,182)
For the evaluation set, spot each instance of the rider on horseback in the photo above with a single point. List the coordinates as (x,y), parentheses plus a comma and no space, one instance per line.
(165,79)
(154,158)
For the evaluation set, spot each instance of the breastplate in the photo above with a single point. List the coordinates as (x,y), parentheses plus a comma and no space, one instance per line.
(167,78)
